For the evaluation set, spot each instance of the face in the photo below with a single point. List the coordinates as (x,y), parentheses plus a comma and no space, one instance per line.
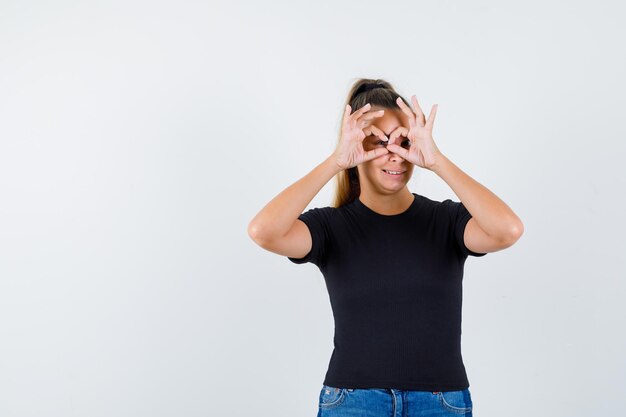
(372,173)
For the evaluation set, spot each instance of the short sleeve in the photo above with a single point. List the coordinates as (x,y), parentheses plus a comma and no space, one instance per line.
(459,216)
(318,222)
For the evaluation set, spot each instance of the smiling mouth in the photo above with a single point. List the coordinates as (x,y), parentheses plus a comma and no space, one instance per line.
(394,173)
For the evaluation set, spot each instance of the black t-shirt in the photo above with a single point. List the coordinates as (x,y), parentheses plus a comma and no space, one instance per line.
(395,287)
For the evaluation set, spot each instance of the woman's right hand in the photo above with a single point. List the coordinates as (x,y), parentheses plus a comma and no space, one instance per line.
(349,151)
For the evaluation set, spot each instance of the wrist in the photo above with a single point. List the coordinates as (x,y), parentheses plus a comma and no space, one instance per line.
(440,163)
(332,161)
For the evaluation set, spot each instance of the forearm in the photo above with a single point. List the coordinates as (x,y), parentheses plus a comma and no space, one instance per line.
(492,215)
(279,215)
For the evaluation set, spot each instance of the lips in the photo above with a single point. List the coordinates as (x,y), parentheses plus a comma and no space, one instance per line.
(401,174)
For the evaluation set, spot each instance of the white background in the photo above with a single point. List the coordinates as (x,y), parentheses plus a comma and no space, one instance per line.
(139,138)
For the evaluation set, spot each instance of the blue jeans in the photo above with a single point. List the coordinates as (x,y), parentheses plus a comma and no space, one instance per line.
(379,402)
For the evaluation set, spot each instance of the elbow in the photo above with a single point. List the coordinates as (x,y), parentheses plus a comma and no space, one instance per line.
(254,232)
(257,233)
(515,233)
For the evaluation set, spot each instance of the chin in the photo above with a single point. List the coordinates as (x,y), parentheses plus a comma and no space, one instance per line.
(392,189)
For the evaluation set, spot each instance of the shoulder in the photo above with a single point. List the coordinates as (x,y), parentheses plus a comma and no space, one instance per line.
(435,207)
(325,212)
(318,216)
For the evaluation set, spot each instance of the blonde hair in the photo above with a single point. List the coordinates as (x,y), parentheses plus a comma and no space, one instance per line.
(347,185)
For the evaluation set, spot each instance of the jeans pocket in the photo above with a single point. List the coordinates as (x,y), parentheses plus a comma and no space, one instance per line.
(459,402)
(331,397)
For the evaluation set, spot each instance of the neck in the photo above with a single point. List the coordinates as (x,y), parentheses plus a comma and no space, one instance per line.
(387,204)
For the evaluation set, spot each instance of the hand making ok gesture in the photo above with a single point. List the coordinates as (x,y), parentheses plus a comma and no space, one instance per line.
(422,151)
(349,152)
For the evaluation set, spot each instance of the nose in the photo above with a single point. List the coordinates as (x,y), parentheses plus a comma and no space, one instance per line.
(395,157)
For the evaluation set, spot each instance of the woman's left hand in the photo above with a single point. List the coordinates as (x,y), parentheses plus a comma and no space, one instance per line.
(422,152)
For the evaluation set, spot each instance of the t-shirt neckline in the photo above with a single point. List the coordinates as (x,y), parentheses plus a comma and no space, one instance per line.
(359,204)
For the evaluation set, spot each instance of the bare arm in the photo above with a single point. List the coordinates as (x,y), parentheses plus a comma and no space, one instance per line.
(278,216)
(277,227)
(493,226)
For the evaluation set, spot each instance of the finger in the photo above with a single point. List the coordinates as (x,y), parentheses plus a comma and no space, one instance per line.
(372,130)
(406,110)
(418,110)
(375,153)
(372,115)
(432,115)
(404,153)
(378,133)
(360,111)
(400,131)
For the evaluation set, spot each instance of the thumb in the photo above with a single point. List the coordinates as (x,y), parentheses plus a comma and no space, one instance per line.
(375,153)
(398,150)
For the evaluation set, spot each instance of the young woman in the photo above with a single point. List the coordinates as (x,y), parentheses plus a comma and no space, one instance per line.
(392,260)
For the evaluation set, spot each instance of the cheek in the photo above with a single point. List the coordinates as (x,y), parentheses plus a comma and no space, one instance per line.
(371,167)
